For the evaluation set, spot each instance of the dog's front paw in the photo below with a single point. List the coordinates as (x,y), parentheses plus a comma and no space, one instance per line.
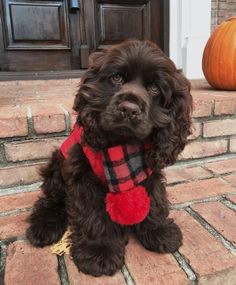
(167,238)
(97,260)
(42,236)
(47,224)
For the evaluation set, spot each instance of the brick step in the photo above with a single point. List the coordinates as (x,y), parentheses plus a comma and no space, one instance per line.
(36,116)
(203,203)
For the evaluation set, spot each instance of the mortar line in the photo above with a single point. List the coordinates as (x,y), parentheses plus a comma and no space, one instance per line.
(229,204)
(34,139)
(215,175)
(226,243)
(30,121)
(67,118)
(226,181)
(25,162)
(185,266)
(213,109)
(7,241)
(20,189)
(127,275)
(214,117)
(3,154)
(35,136)
(62,271)
(182,206)
(3,257)
(15,212)
(201,161)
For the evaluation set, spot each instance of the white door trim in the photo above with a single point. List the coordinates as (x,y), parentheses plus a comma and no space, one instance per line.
(190,23)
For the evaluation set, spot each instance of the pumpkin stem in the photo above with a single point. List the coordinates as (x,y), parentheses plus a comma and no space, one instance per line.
(231,19)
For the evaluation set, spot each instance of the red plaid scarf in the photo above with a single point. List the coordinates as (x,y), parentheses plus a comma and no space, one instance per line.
(125,166)
(123,169)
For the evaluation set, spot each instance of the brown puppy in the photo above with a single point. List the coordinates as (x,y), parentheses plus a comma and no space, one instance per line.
(131,93)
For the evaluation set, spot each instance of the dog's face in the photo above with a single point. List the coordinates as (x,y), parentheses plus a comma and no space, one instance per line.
(129,92)
(132,78)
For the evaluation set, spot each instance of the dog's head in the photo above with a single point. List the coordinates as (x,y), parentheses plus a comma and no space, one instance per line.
(131,93)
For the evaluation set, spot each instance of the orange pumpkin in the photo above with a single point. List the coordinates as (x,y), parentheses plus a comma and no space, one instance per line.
(219,57)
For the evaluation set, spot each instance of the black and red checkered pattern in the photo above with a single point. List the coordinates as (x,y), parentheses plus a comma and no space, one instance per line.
(125,167)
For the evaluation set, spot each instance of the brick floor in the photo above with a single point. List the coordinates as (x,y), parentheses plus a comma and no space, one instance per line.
(221,167)
(207,256)
(203,203)
(152,268)
(79,278)
(202,196)
(27,265)
(220,217)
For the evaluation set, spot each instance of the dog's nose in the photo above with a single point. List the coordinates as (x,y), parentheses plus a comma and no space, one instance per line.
(129,108)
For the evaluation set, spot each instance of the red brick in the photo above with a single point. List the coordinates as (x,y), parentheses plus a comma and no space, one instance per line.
(233,144)
(211,261)
(197,130)
(183,174)
(232,198)
(221,167)
(198,190)
(38,92)
(231,179)
(13,122)
(11,226)
(218,128)
(199,85)
(79,278)
(18,201)
(27,265)
(202,105)
(204,149)
(29,150)
(148,267)
(226,107)
(20,174)
(220,217)
(48,119)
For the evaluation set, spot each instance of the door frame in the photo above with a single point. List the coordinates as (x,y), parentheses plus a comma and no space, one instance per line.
(188,36)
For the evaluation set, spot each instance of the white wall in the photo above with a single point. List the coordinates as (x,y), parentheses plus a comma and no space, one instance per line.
(190,24)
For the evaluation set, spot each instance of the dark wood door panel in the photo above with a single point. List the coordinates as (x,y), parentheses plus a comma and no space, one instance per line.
(39,35)
(55,35)
(119,22)
(112,21)
(35,24)
(38,60)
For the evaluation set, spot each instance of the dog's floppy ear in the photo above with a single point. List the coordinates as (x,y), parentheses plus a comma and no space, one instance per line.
(86,117)
(173,121)
(96,60)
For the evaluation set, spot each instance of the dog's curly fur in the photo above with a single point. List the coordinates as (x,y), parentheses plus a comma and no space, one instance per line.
(158,111)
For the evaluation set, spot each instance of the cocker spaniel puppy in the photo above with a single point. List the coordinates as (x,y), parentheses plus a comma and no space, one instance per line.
(134,117)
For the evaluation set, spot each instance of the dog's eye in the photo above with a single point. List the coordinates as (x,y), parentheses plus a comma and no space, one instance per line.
(117,78)
(154,89)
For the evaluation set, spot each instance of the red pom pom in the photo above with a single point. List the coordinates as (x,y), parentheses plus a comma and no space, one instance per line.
(129,207)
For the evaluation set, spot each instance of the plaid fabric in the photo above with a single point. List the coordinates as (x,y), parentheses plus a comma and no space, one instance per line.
(125,167)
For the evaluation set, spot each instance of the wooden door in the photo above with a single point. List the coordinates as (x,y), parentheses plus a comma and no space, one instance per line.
(111,21)
(60,34)
(39,35)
